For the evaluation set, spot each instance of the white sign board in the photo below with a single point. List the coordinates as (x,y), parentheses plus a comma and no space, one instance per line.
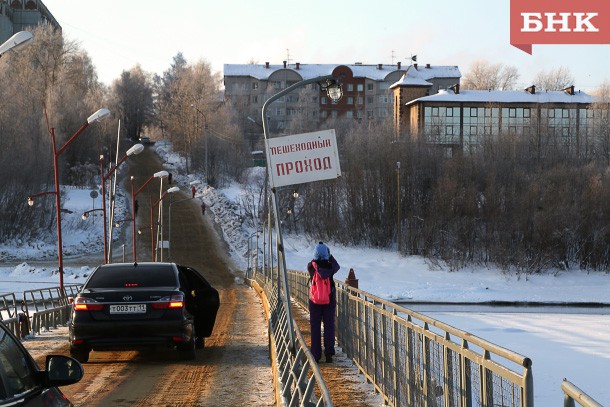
(302,158)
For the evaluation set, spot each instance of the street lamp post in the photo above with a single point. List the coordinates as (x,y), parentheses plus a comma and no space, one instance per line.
(134,150)
(97,116)
(169,237)
(398,234)
(152,230)
(334,92)
(134,194)
(16,42)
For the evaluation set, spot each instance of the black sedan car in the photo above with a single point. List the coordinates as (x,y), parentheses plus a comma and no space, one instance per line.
(136,305)
(23,384)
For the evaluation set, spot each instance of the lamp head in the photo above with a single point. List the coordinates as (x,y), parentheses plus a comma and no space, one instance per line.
(84,216)
(17,42)
(99,115)
(135,149)
(332,88)
(161,174)
(172,190)
(30,201)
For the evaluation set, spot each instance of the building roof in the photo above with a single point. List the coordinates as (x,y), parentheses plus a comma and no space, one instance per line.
(411,78)
(309,71)
(506,96)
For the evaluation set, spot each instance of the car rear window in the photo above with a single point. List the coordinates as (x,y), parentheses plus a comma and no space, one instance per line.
(140,276)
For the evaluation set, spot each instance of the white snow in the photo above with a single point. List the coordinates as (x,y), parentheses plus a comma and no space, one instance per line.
(571,345)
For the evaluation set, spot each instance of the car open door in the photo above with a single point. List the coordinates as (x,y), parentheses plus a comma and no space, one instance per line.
(202,302)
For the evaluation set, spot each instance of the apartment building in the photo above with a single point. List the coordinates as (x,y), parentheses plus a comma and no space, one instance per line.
(461,121)
(366,90)
(19,15)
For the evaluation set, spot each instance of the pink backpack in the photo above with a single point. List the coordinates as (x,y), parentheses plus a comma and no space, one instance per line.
(319,292)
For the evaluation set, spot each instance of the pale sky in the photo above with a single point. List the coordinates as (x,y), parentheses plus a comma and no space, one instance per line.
(120,34)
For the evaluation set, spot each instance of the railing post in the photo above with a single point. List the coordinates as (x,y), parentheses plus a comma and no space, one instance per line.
(465,377)
(448,373)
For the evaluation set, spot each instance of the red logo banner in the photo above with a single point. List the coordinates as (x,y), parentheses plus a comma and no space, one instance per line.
(559,22)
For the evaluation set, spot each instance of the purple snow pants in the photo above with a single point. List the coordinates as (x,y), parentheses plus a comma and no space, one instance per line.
(326,314)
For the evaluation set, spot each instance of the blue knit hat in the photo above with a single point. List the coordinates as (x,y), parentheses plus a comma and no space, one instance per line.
(321,252)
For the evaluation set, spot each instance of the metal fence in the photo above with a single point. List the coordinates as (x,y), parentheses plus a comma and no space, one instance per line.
(414,360)
(300,380)
(31,311)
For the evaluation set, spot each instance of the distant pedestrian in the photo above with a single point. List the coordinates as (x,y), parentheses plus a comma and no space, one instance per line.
(322,310)
(169,178)
(202,208)
(193,190)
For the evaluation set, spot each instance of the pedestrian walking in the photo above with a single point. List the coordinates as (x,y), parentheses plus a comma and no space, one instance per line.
(193,190)
(202,208)
(322,301)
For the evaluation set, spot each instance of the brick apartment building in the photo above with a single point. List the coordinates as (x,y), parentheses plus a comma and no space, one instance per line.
(366,90)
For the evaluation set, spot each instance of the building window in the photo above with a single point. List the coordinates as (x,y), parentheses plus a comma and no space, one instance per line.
(349,114)
(324,114)
(350,87)
(279,112)
(360,87)
(449,112)
(334,114)
(360,100)
(369,114)
(323,100)
(434,112)
(254,85)
(350,100)
(370,86)
(369,100)
(360,114)
(254,99)
(473,112)
(512,112)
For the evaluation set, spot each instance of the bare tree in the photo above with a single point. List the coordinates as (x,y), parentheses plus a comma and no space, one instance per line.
(555,79)
(485,76)
(134,100)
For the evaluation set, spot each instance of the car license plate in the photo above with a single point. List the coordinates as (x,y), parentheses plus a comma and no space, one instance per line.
(128,309)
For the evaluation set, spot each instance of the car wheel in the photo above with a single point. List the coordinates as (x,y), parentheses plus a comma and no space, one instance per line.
(200,342)
(80,354)
(186,351)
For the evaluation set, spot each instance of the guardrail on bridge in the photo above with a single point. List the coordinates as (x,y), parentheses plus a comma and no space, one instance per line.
(36,309)
(299,377)
(414,360)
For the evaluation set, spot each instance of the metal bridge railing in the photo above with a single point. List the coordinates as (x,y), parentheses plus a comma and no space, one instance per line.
(414,360)
(573,394)
(37,309)
(300,380)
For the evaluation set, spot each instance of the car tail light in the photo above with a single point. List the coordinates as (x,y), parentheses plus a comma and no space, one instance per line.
(87,304)
(175,301)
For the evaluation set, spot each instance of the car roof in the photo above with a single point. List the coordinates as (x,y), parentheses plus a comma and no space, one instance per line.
(134,266)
